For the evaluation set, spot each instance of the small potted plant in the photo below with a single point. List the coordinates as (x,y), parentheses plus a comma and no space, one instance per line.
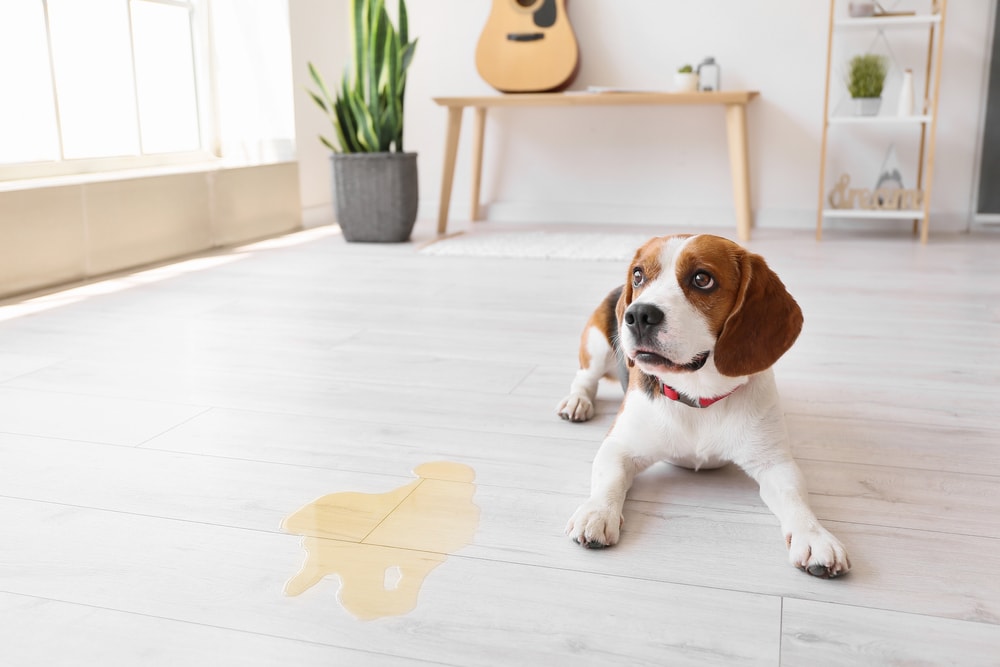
(865,81)
(375,181)
(686,79)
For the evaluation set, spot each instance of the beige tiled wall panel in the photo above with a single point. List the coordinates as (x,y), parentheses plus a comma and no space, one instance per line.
(143,220)
(55,235)
(41,238)
(255,202)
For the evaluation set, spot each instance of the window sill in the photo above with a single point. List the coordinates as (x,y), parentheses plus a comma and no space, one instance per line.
(218,164)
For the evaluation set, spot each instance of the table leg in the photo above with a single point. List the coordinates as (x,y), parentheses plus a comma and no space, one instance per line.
(448,175)
(477,159)
(739,165)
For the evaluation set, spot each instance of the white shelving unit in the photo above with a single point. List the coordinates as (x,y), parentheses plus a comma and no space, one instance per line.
(878,120)
(887,21)
(925,123)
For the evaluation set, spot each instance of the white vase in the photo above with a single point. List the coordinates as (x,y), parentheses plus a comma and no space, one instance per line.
(906,95)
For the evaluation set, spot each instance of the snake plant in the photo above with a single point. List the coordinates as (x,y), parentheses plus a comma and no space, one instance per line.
(367,110)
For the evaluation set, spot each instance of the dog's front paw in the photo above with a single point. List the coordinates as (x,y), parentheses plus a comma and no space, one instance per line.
(815,550)
(595,525)
(576,408)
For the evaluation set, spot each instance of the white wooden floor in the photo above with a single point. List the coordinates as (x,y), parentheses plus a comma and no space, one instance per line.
(154,434)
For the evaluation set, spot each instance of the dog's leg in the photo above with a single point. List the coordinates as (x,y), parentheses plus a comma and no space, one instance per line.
(811,547)
(597,523)
(597,359)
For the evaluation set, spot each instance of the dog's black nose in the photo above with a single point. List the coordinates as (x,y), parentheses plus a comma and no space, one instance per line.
(642,316)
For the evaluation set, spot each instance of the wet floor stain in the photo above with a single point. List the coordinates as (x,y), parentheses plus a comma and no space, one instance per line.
(383,545)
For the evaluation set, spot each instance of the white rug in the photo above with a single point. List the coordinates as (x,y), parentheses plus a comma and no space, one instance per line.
(618,246)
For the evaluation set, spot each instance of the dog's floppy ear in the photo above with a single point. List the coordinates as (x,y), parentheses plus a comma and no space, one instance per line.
(764,323)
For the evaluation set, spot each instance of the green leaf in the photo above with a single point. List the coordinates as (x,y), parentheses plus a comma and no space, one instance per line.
(359,13)
(347,125)
(376,61)
(319,101)
(341,124)
(318,80)
(404,27)
(367,136)
(408,51)
(394,110)
(390,79)
(326,142)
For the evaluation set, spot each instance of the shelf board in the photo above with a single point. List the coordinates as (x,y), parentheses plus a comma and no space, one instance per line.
(888,21)
(861,213)
(878,120)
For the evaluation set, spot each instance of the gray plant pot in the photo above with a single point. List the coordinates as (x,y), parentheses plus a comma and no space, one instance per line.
(375,195)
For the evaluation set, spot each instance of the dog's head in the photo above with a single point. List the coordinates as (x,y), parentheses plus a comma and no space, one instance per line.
(696,301)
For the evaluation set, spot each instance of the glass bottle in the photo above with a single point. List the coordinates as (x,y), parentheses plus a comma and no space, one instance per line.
(708,75)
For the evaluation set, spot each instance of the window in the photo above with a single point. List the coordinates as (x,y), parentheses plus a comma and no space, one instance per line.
(95,85)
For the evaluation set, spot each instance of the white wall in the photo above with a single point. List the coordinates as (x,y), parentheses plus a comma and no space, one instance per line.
(319,31)
(650,164)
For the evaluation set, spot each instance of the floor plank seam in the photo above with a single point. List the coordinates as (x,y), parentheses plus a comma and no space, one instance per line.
(781,629)
(13,378)
(219,627)
(76,441)
(389,514)
(527,375)
(617,575)
(144,515)
(953,423)
(177,425)
(89,394)
(893,611)
(898,467)
(706,508)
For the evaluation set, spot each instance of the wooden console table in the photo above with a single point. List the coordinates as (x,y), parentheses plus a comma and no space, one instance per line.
(735,102)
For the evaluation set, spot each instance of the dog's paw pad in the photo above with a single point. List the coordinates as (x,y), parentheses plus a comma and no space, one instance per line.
(822,571)
(814,550)
(590,545)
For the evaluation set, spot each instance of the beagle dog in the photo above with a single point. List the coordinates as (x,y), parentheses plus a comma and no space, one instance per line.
(692,335)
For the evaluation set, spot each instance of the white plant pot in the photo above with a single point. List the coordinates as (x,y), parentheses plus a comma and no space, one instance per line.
(685,82)
(867,106)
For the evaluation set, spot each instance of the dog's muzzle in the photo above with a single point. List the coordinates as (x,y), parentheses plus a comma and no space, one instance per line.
(643,320)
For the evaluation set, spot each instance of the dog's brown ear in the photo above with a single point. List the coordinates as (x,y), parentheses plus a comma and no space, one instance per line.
(764,323)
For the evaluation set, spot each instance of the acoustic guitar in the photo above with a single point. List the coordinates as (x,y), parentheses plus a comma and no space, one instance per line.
(527,46)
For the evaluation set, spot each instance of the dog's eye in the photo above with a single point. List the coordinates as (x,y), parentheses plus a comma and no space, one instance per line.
(703,280)
(637,276)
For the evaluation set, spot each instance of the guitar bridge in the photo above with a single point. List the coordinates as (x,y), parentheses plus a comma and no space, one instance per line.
(525,36)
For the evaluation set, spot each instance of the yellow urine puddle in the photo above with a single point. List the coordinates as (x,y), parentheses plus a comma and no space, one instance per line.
(383,545)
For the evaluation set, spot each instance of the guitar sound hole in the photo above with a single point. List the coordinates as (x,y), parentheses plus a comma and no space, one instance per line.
(526,3)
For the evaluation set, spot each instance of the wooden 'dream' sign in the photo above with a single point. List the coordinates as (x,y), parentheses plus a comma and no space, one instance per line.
(883,199)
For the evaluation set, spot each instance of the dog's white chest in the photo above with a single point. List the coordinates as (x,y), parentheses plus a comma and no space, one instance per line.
(664,430)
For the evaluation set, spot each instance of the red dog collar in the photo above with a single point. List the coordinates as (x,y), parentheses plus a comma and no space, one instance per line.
(674,395)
